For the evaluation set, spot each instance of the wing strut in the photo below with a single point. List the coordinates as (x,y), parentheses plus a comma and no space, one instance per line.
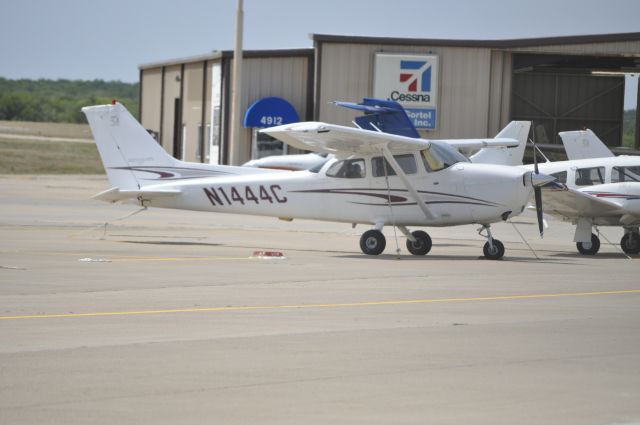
(405,180)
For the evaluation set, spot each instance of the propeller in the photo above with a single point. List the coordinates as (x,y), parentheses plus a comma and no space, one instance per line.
(537,190)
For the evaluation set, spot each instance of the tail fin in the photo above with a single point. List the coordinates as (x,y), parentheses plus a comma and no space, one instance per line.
(386,115)
(127,150)
(584,144)
(518,130)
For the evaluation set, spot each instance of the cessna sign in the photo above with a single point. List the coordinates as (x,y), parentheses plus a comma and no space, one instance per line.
(412,81)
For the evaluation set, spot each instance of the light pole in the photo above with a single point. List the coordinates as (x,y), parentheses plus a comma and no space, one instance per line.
(236,91)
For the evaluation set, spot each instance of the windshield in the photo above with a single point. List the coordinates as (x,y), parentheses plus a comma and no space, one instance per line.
(439,156)
(318,167)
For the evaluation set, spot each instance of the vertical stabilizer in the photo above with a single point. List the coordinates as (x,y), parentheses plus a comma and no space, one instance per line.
(127,150)
(385,115)
(518,130)
(584,144)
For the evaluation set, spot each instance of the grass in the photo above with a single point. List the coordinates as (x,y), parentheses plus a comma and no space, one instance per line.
(49,129)
(44,157)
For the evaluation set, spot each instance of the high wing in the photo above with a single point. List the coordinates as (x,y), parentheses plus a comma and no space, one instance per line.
(337,139)
(330,138)
(564,201)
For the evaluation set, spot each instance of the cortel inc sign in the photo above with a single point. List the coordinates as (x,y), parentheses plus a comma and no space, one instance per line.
(412,81)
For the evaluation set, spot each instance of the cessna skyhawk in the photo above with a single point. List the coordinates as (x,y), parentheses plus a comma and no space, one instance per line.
(376,179)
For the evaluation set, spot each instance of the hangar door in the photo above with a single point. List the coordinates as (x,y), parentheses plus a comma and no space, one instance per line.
(561,101)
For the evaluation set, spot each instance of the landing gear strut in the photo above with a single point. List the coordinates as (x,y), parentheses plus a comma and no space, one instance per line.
(493,249)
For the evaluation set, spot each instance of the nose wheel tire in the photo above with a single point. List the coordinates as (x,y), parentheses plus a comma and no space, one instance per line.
(589,248)
(630,243)
(422,245)
(372,242)
(493,253)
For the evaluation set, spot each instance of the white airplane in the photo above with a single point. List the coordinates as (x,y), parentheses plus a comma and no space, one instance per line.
(376,178)
(599,189)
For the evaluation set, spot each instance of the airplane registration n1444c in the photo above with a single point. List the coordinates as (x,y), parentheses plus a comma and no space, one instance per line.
(375,179)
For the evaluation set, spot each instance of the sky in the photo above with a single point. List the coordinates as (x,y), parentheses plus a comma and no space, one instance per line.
(88,39)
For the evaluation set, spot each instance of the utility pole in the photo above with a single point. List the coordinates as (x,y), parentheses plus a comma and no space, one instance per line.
(637,141)
(236,92)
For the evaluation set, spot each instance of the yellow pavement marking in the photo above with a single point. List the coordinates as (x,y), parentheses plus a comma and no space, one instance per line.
(309,306)
(120,258)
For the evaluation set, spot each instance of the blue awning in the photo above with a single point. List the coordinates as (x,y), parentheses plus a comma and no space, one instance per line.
(269,112)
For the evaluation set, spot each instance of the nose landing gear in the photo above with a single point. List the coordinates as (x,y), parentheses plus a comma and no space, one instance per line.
(493,249)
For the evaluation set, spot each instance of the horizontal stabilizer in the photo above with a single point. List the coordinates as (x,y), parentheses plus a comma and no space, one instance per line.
(116,195)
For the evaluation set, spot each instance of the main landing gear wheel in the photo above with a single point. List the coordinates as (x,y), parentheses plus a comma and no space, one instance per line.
(493,253)
(589,248)
(630,243)
(422,245)
(372,242)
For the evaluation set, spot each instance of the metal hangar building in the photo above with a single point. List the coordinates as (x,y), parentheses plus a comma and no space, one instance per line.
(450,89)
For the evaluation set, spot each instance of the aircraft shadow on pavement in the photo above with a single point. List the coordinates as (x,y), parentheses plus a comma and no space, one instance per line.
(455,257)
(599,256)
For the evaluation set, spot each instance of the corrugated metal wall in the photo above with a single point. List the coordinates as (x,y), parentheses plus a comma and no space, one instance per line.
(285,77)
(499,91)
(172,78)
(151,92)
(192,111)
(560,102)
(346,73)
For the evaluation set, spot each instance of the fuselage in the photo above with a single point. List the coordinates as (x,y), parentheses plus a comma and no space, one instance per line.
(459,193)
(616,179)
(581,173)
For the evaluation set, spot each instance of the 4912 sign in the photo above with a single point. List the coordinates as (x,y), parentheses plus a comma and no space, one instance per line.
(245,195)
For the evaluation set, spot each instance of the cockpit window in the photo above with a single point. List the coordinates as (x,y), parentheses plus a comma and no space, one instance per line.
(589,176)
(347,169)
(561,177)
(625,174)
(438,157)
(407,163)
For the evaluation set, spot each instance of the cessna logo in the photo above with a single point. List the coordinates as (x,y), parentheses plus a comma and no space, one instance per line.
(413,71)
(412,81)
(416,77)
